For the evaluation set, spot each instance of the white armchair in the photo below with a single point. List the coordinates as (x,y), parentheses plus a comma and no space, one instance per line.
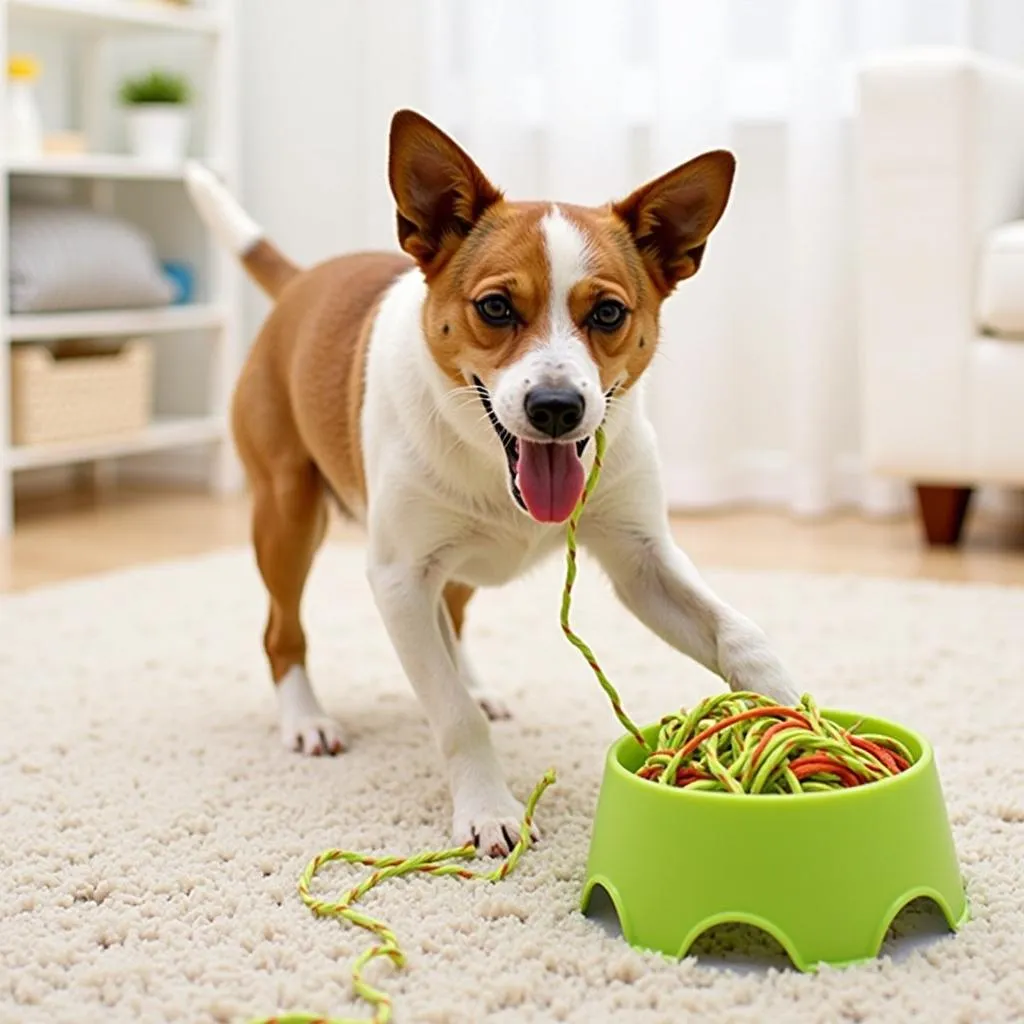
(940,156)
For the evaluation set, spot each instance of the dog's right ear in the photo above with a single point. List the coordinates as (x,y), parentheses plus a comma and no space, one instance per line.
(439,191)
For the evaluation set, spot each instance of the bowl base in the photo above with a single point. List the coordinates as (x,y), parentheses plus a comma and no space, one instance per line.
(761,945)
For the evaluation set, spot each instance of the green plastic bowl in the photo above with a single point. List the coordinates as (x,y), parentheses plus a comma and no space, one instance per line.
(824,873)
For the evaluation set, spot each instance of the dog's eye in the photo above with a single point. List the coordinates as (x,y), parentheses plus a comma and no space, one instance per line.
(607,315)
(495,310)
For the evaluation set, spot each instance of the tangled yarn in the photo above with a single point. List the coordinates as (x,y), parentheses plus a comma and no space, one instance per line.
(739,742)
(746,743)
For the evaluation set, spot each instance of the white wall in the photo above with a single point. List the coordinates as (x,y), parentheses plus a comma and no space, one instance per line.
(320,81)
(321,78)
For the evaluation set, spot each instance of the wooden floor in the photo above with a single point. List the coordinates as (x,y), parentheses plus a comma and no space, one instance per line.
(78,534)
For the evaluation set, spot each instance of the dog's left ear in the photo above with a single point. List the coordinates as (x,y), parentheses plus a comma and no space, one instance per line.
(439,191)
(671,217)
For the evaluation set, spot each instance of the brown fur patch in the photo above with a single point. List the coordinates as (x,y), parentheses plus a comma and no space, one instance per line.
(269,267)
(506,254)
(299,397)
(456,597)
(295,418)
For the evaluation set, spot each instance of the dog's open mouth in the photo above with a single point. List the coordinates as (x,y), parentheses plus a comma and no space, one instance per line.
(546,477)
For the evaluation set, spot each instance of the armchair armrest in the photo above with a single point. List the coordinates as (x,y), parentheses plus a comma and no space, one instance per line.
(940,161)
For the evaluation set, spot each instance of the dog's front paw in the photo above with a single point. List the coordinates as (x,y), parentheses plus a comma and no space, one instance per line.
(492,831)
(747,662)
(314,735)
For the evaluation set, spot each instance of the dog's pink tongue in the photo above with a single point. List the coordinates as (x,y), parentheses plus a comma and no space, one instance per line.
(550,480)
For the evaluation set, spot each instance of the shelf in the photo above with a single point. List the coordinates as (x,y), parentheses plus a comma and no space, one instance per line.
(113,16)
(94,165)
(163,434)
(112,323)
(198,346)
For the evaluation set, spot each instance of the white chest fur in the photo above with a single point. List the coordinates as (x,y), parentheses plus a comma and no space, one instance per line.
(495,558)
(437,477)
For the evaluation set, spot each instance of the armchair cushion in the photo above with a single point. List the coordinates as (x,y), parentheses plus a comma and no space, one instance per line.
(1000,295)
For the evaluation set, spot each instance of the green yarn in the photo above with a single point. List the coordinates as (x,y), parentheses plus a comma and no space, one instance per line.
(732,742)
(746,743)
(430,862)
(570,578)
(738,742)
(438,862)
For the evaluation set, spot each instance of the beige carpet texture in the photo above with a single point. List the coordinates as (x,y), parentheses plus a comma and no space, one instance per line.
(152,827)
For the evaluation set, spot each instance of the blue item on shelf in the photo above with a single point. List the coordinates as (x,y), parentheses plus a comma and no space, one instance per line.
(182,279)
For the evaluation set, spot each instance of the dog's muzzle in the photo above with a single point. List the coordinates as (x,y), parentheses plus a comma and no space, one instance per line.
(509,441)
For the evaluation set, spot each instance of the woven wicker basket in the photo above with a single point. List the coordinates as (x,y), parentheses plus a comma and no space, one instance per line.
(76,397)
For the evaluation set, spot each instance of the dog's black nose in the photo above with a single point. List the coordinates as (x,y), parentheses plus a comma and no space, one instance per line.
(554,411)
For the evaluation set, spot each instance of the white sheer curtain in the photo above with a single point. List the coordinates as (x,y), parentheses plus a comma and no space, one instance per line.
(755,391)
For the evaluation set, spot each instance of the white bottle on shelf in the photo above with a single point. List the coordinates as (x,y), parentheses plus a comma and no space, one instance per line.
(24,126)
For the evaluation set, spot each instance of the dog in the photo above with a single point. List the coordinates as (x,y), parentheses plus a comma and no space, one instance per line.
(447,396)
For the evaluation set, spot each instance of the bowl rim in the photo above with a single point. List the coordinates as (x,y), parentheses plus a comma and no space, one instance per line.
(922,764)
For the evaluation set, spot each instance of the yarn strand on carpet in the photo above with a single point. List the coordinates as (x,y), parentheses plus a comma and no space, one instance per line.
(431,862)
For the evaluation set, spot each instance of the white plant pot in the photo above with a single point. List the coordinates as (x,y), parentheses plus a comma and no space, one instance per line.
(158,132)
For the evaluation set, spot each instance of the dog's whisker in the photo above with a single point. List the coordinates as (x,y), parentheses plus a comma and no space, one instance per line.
(458,400)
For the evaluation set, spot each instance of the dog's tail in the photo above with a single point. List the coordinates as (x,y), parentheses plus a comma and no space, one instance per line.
(237,231)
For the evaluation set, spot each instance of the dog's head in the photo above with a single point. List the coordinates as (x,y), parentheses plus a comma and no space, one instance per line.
(546,309)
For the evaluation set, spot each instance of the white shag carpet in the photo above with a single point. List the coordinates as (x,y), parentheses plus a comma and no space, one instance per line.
(153,828)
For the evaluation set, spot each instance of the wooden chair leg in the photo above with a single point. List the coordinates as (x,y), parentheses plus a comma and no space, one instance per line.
(943,510)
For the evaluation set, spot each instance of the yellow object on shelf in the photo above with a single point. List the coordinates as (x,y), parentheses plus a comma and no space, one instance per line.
(22,67)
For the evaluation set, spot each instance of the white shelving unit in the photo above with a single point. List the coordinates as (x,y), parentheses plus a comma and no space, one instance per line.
(160,435)
(206,333)
(115,323)
(102,166)
(127,16)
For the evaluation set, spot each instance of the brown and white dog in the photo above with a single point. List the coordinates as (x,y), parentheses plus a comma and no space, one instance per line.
(447,400)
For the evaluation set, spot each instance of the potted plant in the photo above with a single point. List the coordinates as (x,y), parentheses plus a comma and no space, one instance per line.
(158,118)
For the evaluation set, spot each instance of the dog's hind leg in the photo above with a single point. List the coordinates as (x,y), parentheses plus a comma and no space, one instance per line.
(456,597)
(289,523)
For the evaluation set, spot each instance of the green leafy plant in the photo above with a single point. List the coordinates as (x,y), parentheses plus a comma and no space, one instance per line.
(156,87)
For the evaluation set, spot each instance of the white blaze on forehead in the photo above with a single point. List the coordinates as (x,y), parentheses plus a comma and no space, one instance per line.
(560,358)
(568,253)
